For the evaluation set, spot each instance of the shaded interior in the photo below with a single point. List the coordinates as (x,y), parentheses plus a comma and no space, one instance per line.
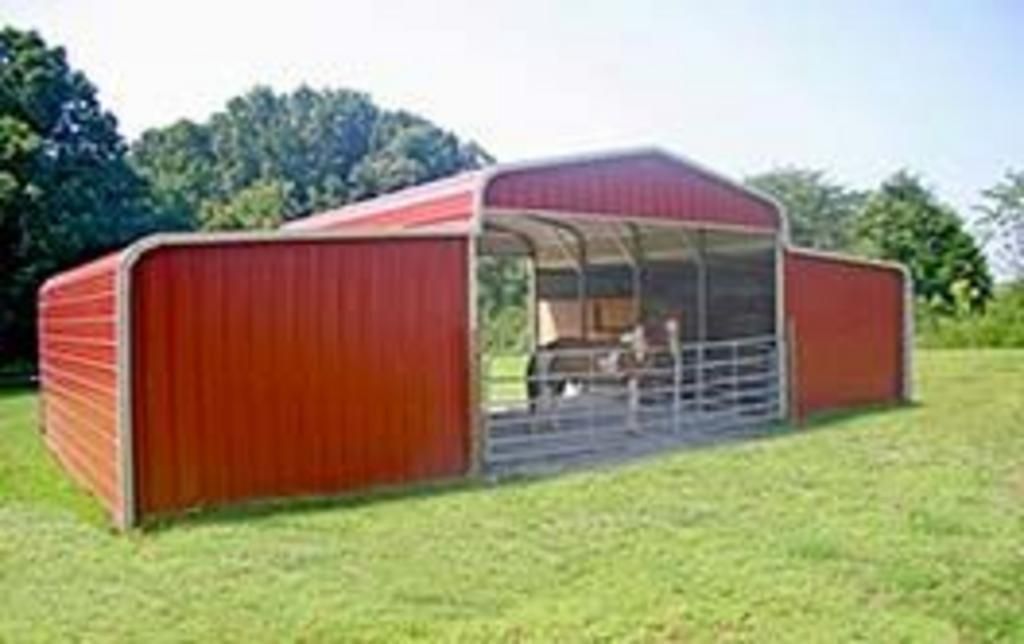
(594,279)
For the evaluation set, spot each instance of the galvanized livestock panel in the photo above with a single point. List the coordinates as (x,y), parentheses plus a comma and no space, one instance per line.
(622,404)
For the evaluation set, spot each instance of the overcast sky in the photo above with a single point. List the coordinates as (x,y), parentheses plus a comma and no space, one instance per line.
(859,88)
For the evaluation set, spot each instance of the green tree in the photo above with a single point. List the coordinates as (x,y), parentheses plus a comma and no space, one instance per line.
(258,206)
(321,149)
(66,190)
(502,303)
(822,214)
(407,150)
(178,162)
(1002,222)
(905,222)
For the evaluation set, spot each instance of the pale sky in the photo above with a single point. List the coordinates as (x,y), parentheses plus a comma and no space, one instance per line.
(856,88)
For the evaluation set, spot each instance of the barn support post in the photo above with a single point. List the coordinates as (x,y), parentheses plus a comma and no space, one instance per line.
(672,331)
(532,305)
(125,438)
(583,288)
(696,242)
(636,254)
(532,309)
(702,318)
(783,337)
(477,416)
(908,336)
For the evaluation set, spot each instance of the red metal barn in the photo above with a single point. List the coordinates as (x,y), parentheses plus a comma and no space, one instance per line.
(348,350)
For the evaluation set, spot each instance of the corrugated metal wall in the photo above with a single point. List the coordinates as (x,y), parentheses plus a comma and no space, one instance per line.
(264,370)
(847,319)
(644,185)
(78,370)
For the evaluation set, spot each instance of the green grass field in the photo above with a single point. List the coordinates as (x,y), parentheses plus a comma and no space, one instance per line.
(899,525)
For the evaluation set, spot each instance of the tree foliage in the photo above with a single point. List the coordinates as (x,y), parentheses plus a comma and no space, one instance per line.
(70,188)
(66,190)
(1002,222)
(822,214)
(502,303)
(905,222)
(256,207)
(1000,326)
(306,150)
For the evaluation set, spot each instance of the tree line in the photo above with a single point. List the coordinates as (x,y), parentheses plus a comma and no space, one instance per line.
(957,303)
(901,220)
(72,188)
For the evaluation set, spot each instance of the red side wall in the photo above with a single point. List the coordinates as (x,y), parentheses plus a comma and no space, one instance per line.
(646,185)
(846,322)
(78,370)
(273,369)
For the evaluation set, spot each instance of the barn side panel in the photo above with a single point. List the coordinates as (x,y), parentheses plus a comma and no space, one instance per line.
(847,327)
(78,376)
(298,367)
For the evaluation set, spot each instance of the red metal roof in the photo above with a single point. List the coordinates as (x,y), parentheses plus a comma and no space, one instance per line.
(642,184)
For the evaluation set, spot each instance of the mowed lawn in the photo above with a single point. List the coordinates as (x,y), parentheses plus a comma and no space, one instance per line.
(904,524)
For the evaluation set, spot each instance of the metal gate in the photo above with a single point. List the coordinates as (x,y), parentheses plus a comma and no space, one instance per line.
(599,402)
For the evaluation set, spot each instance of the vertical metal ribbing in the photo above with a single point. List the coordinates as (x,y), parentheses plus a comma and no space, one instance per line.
(533,306)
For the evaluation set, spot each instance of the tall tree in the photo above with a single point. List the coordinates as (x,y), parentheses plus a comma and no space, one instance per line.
(1002,222)
(407,150)
(178,162)
(66,190)
(822,214)
(318,149)
(904,221)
